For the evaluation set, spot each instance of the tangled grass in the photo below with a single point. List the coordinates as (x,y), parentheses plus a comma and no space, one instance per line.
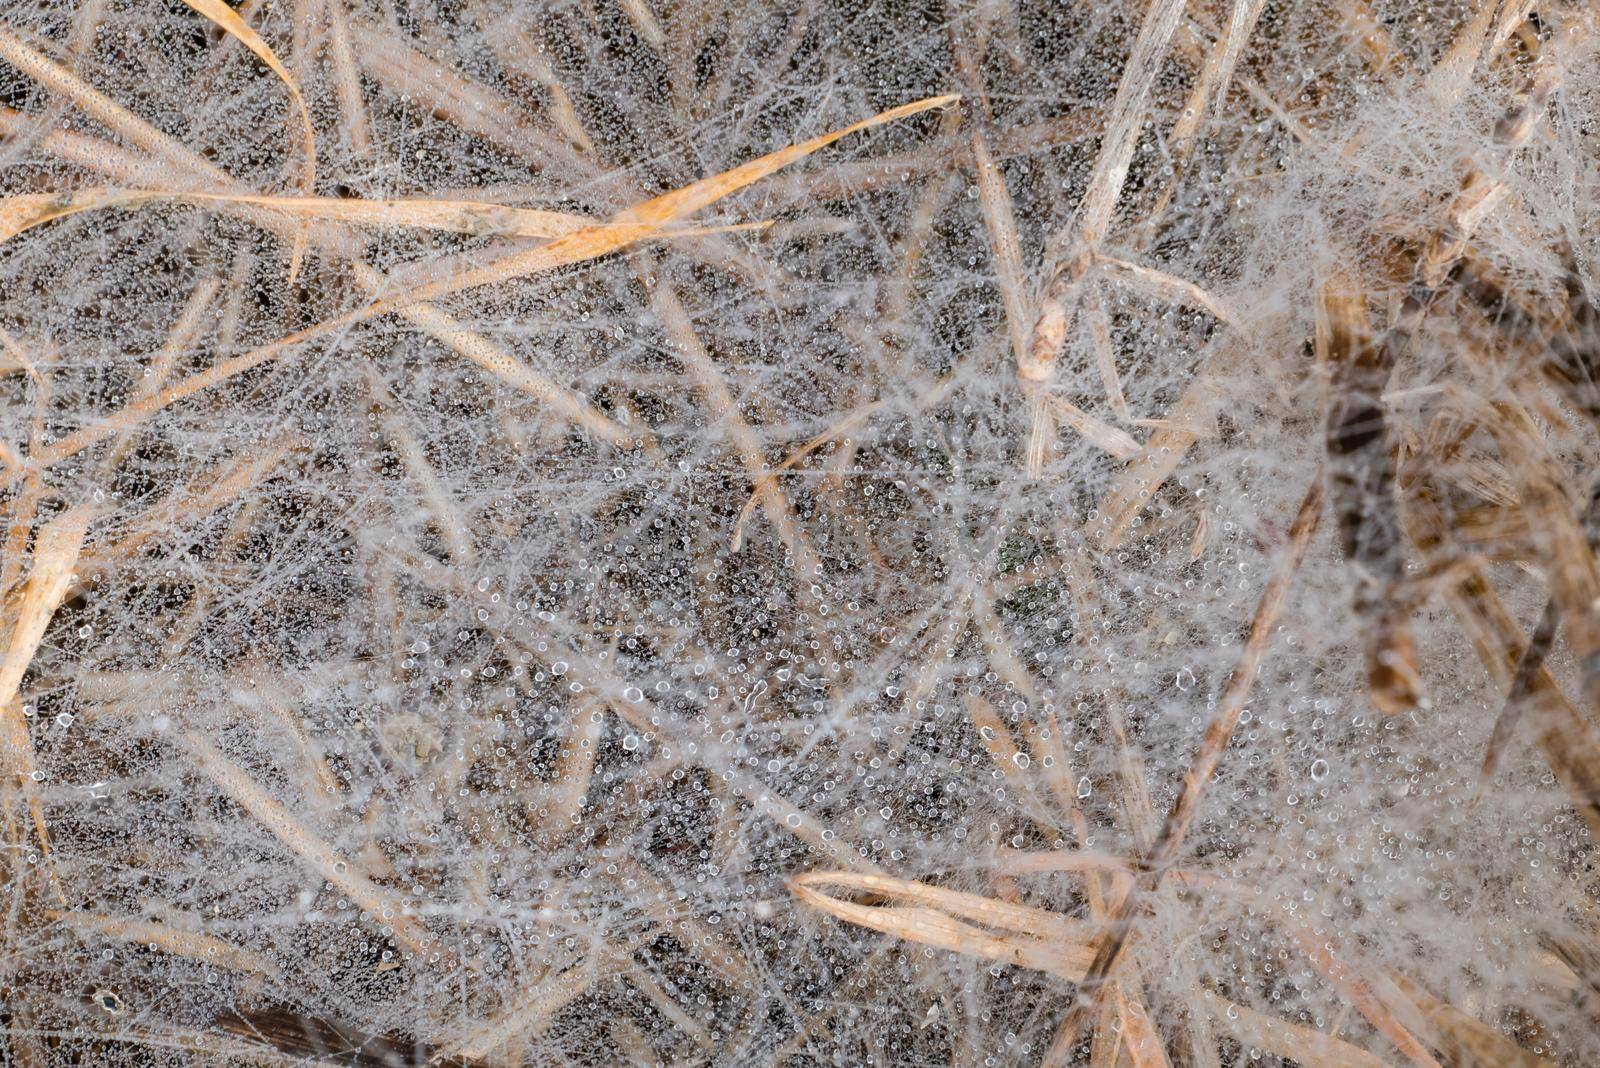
(723,533)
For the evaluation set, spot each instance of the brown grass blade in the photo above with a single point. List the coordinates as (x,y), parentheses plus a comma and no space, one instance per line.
(522,56)
(55,553)
(1361,467)
(1138,1033)
(1464,1039)
(1569,743)
(1218,733)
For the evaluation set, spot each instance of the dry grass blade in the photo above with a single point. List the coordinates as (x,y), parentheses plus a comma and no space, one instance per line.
(55,553)
(1302,1045)
(1568,741)
(1220,730)
(1139,1036)
(195,945)
(644,20)
(1166,287)
(1105,355)
(1360,993)
(1218,733)
(1465,1039)
(380,904)
(1099,433)
(473,218)
(434,493)
(229,21)
(23,211)
(1241,24)
(1075,250)
(94,103)
(635,224)
(1010,934)
(528,1014)
(1523,683)
(1000,221)
(1561,539)
(681,330)
(839,429)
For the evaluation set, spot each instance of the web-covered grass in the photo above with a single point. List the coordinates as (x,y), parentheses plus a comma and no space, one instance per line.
(1005,609)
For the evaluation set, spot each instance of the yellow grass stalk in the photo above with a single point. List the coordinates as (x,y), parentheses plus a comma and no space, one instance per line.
(197,170)
(644,220)
(636,224)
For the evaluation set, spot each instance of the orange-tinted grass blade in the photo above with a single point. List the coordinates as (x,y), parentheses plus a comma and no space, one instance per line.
(230,23)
